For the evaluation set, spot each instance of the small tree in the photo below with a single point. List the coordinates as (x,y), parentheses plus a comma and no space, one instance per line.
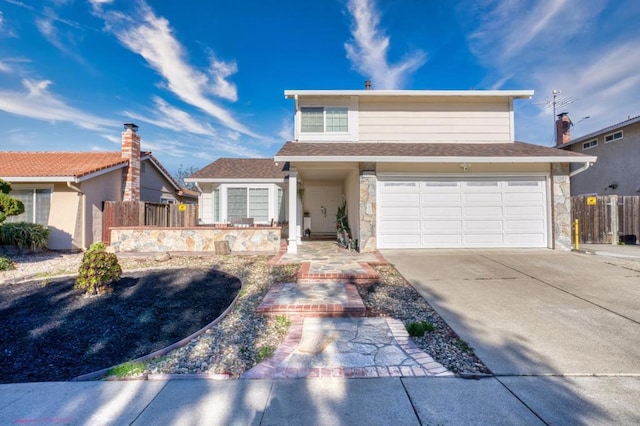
(185,172)
(9,206)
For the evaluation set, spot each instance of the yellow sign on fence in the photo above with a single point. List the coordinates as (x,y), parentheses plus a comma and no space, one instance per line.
(592,201)
(182,207)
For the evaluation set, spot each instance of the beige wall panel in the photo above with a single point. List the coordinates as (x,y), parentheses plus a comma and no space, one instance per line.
(65,218)
(106,187)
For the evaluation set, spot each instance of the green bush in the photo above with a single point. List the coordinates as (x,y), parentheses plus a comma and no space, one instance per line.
(98,270)
(417,329)
(24,235)
(5,264)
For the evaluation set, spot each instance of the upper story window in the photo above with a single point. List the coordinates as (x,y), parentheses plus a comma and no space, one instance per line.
(613,136)
(324,120)
(590,144)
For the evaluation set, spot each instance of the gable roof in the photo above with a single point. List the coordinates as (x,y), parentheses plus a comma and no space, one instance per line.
(513,152)
(57,166)
(68,166)
(224,169)
(588,136)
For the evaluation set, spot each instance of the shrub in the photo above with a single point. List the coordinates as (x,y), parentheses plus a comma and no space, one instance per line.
(98,270)
(24,235)
(264,352)
(417,329)
(5,264)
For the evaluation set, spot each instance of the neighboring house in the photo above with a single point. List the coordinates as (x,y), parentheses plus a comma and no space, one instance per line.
(232,189)
(416,169)
(618,150)
(66,190)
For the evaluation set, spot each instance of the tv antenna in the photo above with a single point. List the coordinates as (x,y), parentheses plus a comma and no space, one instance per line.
(553,103)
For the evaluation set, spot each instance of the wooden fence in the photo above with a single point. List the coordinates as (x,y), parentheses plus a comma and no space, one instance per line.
(610,219)
(139,213)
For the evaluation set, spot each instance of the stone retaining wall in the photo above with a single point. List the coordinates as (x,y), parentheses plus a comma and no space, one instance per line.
(147,239)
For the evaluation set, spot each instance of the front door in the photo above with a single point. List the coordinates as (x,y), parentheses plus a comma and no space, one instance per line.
(322,204)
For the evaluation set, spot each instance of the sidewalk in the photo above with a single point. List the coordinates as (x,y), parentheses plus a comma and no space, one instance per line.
(279,402)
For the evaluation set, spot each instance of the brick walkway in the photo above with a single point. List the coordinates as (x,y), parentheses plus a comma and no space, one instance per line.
(330,335)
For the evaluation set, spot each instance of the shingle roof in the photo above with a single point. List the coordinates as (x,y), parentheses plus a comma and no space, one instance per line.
(516,150)
(242,168)
(57,164)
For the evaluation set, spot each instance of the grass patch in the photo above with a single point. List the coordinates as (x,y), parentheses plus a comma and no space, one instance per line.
(6,264)
(418,329)
(264,352)
(127,369)
(464,346)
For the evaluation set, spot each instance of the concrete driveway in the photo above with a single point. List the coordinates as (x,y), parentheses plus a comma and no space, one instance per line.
(545,322)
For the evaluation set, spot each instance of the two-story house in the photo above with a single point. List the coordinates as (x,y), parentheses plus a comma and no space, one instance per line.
(616,146)
(418,169)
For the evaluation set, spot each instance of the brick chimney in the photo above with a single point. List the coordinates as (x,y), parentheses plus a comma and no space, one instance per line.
(563,128)
(131,152)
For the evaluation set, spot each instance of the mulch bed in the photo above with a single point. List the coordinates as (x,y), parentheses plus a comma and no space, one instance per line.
(49,331)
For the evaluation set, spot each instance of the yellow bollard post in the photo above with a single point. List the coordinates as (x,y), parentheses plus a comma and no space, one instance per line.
(577,234)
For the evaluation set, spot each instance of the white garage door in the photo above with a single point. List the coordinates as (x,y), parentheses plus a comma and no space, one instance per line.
(456,212)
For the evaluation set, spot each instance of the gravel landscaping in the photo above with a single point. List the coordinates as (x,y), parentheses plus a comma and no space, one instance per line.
(242,338)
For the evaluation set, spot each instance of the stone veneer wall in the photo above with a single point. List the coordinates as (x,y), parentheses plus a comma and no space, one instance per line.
(367,239)
(561,215)
(147,239)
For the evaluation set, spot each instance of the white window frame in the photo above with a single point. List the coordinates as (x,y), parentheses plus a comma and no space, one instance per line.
(613,136)
(590,144)
(33,189)
(352,133)
(272,213)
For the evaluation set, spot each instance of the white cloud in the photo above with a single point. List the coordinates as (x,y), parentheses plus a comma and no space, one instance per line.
(369,48)
(152,38)
(38,103)
(169,117)
(286,131)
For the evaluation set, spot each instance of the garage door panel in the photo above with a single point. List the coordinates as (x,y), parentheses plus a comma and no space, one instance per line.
(401,199)
(524,226)
(482,225)
(441,226)
(524,211)
(483,211)
(463,212)
(486,198)
(441,198)
(401,226)
(438,212)
(400,212)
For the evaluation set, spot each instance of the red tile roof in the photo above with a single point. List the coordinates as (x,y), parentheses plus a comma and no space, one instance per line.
(242,168)
(359,149)
(57,164)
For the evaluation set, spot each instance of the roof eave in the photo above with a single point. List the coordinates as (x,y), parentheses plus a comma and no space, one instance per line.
(515,94)
(236,180)
(448,159)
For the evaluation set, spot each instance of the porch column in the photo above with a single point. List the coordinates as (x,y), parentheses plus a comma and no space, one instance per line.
(367,238)
(293,211)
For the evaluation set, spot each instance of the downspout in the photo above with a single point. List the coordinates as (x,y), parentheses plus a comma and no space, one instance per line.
(83,226)
(580,170)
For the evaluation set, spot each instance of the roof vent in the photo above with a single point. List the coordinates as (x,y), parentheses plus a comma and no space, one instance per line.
(367,85)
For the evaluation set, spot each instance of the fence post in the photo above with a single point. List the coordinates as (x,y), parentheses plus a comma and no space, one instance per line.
(615,226)
(577,235)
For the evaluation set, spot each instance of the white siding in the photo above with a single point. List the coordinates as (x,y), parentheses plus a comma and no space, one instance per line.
(435,120)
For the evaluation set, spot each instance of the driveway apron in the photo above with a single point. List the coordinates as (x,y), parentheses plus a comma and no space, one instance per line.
(533,312)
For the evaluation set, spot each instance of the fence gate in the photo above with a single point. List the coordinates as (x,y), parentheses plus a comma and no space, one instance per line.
(609,220)
(139,213)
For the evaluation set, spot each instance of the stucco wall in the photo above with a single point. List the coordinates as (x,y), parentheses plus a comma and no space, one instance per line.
(144,239)
(617,165)
(65,218)
(106,187)
(153,185)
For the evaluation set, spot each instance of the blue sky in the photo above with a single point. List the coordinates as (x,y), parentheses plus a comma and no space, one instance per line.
(205,79)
